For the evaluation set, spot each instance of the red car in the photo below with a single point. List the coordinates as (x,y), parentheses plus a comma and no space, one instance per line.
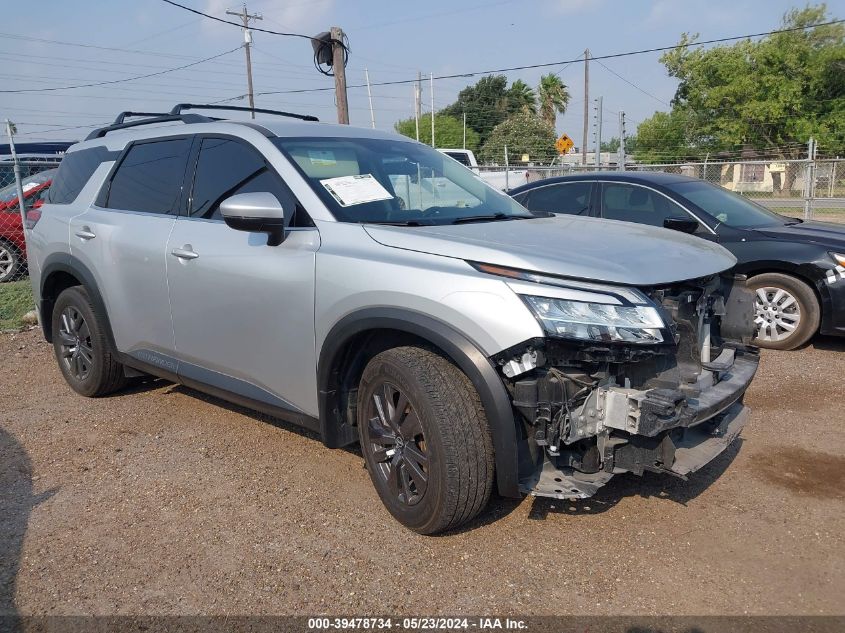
(12,243)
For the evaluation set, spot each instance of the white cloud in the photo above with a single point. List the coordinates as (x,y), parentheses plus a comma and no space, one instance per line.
(295,17)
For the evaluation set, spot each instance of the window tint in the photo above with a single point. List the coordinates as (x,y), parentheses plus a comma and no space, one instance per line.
(461,157)
(74,172)
(632,203)
(227,167)
(571,197)
(150,177)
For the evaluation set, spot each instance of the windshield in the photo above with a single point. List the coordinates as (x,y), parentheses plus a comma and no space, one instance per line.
(727,207)
(395,182)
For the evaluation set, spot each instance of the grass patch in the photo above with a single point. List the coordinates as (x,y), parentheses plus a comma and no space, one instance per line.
(15,301)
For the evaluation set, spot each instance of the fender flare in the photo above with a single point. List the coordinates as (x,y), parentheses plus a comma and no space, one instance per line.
(67,263)
(459,348)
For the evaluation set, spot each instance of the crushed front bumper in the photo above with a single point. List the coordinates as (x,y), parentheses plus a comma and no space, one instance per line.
(638,431)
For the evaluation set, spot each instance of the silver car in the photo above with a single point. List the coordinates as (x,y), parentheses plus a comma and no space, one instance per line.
(373,290)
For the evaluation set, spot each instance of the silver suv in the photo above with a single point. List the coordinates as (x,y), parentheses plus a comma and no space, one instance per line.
(373,290)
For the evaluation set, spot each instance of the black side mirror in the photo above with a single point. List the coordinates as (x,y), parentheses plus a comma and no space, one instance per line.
(684,225)
(258,212)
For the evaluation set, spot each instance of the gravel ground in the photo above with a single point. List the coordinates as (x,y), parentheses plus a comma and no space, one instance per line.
(162,501)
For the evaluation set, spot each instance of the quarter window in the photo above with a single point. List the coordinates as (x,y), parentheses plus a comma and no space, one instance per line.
(571,197)
(74,172)
(150,177)
(227,167)
(632,203)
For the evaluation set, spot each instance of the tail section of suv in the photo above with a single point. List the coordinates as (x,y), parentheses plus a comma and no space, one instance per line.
(373,290)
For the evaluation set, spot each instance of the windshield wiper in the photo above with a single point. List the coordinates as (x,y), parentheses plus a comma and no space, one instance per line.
(401,223)
(490,218)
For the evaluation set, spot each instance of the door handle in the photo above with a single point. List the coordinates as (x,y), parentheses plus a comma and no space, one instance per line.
(186,252)
(85,233)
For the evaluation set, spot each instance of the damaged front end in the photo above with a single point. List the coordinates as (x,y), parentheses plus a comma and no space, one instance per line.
(651,379)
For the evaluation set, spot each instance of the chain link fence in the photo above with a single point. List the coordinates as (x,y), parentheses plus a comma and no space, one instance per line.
(812,189)
(36,178)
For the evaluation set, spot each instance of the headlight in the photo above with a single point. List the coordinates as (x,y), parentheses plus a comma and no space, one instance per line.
(839,258)
(598,321)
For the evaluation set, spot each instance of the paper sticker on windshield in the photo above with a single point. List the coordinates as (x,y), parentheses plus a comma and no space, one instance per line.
(322,158)
(351,190)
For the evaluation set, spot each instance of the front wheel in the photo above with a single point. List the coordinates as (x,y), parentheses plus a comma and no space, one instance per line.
(787,312)
(425,439)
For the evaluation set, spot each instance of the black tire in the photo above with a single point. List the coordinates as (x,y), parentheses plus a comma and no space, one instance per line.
(805,308)
(11,262)
(81,347)
(452,434)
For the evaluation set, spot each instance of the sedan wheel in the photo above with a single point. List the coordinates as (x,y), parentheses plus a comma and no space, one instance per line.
(778,314)
(10,262)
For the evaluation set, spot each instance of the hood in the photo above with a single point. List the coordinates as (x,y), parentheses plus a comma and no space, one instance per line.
(826,234)
(576,247)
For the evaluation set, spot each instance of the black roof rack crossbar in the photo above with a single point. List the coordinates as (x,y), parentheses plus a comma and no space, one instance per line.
(124,115)
(167,118)
(195,106)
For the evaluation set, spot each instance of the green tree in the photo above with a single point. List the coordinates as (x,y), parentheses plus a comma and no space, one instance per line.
(553,97)
(613,145)
(485,104)
(665,138)
(448,131)
(522,133)
(521,97)
(770,95)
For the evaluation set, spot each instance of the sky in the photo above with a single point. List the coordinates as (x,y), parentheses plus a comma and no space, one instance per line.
(70,42)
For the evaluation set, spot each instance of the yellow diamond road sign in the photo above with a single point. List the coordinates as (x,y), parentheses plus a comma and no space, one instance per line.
(564,144)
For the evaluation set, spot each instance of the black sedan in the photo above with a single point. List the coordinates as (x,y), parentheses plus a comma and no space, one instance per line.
(797,268)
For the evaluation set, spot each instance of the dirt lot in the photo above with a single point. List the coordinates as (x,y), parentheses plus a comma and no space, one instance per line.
(162,501)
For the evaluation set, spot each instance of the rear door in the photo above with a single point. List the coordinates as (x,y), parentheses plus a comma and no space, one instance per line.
(122,239)
(243,311)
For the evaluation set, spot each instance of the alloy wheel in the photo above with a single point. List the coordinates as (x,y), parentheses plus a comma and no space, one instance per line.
(77,352)
(397,445)
(778,313)
(7,262)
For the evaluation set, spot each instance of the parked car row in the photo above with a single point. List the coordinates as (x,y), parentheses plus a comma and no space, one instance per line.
(795,268)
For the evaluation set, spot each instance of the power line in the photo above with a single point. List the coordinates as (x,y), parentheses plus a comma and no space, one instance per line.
(240,26)
(630,83)
(118,81)
(643,51)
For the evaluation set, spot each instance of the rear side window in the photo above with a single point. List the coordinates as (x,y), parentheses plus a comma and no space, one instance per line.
(224,168)
(572,198)
(460,157)
(75,171)
(149,178)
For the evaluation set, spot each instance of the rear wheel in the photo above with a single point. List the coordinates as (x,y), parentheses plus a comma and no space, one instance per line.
(81,346)
(11,261)
(425,439)
(787,312)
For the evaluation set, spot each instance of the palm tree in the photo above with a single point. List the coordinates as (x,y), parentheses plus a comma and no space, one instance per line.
(521,98)
(554,97)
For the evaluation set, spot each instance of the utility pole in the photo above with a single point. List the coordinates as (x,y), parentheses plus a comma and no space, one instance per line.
(599,110)
(339,68)
(586,106)
(417,102)
(246,17)
(621,158)
(431,76)
(465,131)
(370,97)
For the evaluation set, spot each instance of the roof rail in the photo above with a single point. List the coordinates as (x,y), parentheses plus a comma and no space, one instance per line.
(177,109)
(123,115)
(165,118)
